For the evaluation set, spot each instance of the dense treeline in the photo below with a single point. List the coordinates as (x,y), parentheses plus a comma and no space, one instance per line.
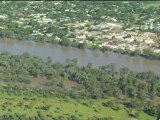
(135,90)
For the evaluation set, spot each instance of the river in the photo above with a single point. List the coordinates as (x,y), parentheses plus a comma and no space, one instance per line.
(84,56)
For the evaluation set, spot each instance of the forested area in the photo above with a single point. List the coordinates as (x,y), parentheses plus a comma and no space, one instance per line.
(138,91)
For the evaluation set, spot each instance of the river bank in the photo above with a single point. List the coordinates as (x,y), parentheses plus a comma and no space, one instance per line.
(84,56)
(104,32)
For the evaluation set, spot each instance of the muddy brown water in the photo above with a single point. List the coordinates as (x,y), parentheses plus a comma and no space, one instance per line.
(84,56)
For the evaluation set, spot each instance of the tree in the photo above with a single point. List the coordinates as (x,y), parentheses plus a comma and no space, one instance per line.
(49,60)
(92,39)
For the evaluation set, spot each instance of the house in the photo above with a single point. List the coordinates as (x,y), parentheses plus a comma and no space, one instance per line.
(149,42)
(129,40)
(157,51)
(149,34)
(133,33)
(107,36)
(119,36)
(82,37)
(2,27)
(81,41)
(3,16)
(139,39)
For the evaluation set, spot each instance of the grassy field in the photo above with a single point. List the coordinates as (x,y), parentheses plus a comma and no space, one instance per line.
(83,109)
(152,4)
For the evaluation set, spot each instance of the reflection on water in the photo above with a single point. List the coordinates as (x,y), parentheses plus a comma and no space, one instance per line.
(106,54)
(137,60)
(65,50)
(83,53)
(84,56)
(29,45)
(39,44)
(96,53)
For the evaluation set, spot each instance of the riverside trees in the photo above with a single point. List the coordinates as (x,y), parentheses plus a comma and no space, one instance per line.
(99,82)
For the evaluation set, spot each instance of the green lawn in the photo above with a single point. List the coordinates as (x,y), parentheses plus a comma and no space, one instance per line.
(65,107)
(154,4)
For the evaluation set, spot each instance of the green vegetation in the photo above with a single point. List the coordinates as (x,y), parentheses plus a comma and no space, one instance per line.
(58,89)
(33,89)
(25,107)
(151,4)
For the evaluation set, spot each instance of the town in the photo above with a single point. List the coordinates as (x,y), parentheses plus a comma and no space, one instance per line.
(102,31)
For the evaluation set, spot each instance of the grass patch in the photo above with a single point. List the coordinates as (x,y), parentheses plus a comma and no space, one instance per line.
(154,4)
(98,42)
(84,108)
(136,15)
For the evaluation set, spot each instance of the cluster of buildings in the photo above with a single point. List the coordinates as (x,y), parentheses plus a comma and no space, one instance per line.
(113,36)
(110,32)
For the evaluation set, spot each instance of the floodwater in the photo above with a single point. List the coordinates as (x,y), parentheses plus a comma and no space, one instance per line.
(97,58)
